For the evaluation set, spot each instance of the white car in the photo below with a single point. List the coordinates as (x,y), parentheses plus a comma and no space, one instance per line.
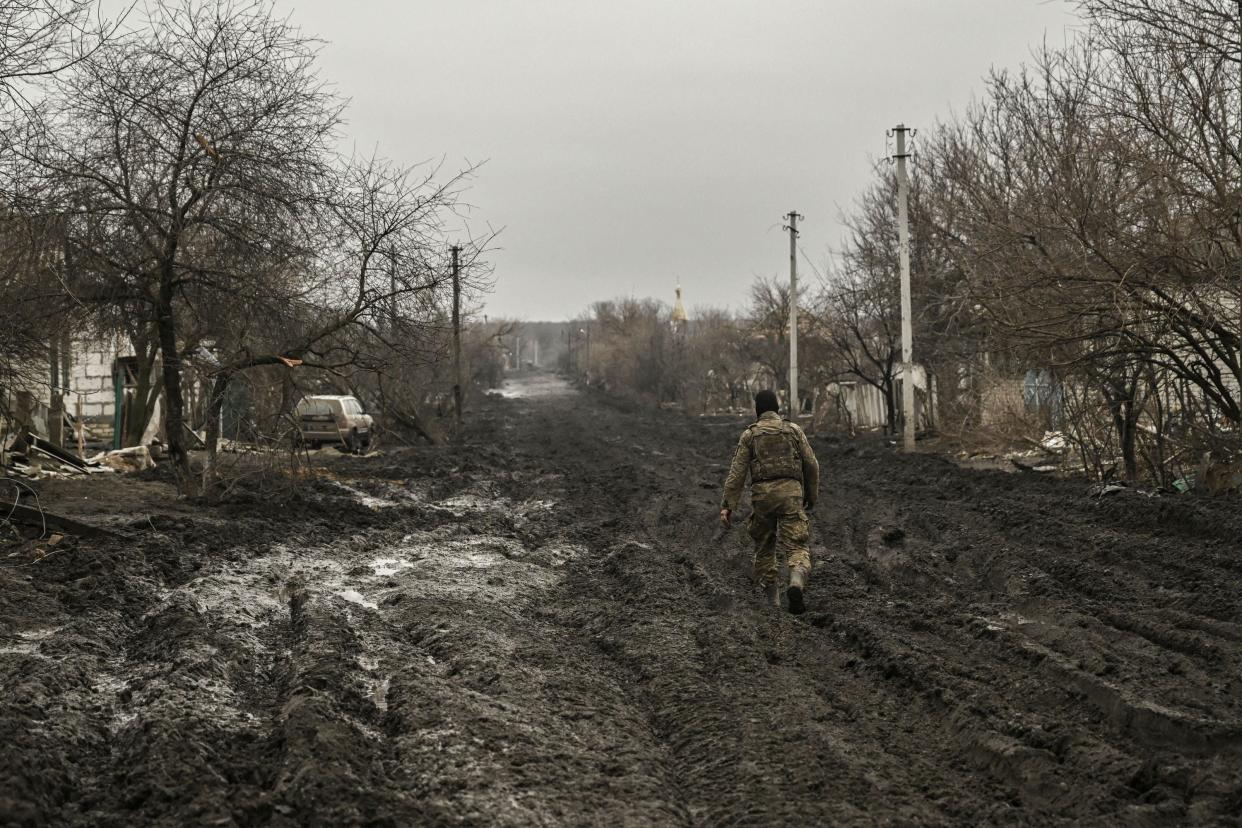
(330,418)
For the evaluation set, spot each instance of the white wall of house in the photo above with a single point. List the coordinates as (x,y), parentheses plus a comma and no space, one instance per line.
(865,403)
(91,379)
(90,365)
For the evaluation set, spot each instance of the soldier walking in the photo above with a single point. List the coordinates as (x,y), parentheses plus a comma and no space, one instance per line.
(784,482)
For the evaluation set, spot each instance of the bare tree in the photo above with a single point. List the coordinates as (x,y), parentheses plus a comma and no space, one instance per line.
(1175,25)
(765,340)
(859,308)
(1089,207)
(630,347)
(34,303)
(864,332)
(364,297)
(39,38)
(207,131)
(717,369)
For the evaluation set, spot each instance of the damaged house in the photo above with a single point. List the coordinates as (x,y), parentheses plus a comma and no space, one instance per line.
(86,394)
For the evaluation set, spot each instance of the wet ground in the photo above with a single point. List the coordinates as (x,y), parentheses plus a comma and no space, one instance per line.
(543,625)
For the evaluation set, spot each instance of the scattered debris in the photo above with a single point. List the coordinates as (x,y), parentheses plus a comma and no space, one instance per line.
(38,444)
(1104,489)
(1054,441)
(1042,468)
(134,459)
(31,456)
(24,515)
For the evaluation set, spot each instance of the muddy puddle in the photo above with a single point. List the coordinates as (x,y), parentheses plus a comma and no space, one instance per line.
(541,387)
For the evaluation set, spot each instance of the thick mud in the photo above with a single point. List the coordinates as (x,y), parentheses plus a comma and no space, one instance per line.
(544,625)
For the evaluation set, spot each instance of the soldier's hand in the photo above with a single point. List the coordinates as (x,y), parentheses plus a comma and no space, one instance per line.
(726,518)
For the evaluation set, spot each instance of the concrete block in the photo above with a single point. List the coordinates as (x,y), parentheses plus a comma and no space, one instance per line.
(98,371)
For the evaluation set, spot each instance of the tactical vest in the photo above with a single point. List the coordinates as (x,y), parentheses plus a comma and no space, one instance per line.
(774,454)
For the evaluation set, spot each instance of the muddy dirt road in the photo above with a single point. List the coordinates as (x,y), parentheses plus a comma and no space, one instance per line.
(543,626)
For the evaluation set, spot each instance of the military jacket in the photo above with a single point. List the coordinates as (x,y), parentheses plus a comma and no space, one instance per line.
(769,450)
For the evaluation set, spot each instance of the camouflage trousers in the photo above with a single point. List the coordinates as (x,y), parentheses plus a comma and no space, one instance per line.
(780,529)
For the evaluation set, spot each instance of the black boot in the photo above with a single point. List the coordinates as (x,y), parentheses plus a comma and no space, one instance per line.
(797,583)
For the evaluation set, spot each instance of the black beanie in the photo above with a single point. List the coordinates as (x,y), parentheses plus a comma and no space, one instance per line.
(766,401)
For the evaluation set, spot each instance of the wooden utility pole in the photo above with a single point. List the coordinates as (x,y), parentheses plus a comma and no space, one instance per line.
(907,336)
(795,408)
(455,250)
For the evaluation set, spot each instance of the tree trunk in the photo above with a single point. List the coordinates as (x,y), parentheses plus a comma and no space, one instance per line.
(215,405)
(1125,421)
(890,407)
(1129,438)
(55,400)
(174,417)
(146,391)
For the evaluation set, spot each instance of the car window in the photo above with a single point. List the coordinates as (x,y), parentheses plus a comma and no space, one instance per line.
(314,408)
(353,407)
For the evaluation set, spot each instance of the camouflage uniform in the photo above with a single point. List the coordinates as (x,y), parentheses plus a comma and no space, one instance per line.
(784,476)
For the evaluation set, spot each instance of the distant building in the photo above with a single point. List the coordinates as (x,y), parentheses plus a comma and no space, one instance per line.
(679,320)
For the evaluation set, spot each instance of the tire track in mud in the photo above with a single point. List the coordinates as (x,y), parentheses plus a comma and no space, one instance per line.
(541,625)
(757,735)
(385,677)
(1074,653)
(958,707)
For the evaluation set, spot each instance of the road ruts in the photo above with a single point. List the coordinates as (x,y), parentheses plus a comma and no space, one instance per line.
(543,625)
(982,647)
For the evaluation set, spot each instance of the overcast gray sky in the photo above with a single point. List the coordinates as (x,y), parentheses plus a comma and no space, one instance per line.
(633,144)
